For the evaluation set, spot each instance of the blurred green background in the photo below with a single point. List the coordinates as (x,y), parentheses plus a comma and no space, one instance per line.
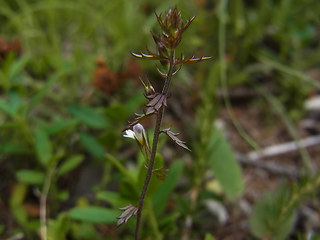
(68,86)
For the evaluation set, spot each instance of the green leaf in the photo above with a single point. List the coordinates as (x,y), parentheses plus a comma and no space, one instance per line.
(112,198)
(16,200)
(89,116)
(58,228)
(40,94)
(155,182)
(110,139)
(108,196)
(92,145)
(129,190)
(224,165)
(135,101)
(94,215)
(6,108)
(209,237)
(83,231)
(9,148)
(30,176)
(14,101)
(33,225)
(63,195)
(43,147)
(69,164)
(160,197)
(18,66)
(270,217)
(117,112)
(167,223)
(59,125)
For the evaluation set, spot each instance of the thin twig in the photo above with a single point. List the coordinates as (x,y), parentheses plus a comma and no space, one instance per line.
(283,148)
(272,167)
(253,157)
(280,110)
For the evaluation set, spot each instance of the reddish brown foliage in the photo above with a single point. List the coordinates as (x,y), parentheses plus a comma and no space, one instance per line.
(7,47)
(133,70)
(109,81)
(103,78)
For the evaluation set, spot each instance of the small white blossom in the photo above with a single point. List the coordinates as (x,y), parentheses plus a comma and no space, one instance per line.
(139,132)
(129,134)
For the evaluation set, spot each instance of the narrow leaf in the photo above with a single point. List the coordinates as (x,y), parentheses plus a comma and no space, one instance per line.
(224,165)
(58,125)
(89,116)
(155,182)
(43,146)
(58,228)
(112,198)
(14,101)
(41,94)
(94,215)
(92,145)
(269,216)
(6,108)
(160,197)
(10,148)
(18,66)
(70,164)
(30,176)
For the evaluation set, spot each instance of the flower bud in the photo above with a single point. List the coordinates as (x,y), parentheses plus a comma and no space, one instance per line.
(148,89)
(139,132)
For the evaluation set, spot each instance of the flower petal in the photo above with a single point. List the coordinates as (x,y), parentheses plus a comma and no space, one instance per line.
(129,134)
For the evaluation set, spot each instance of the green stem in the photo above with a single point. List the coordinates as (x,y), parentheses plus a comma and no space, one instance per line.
(279,109)
(24,128)
(154,146)
(119,166)
(223,73)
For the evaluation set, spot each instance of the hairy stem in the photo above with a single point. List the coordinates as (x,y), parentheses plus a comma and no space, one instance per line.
(154,147)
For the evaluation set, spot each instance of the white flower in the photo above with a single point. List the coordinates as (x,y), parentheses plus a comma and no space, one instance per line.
(138,133)
(129,134)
